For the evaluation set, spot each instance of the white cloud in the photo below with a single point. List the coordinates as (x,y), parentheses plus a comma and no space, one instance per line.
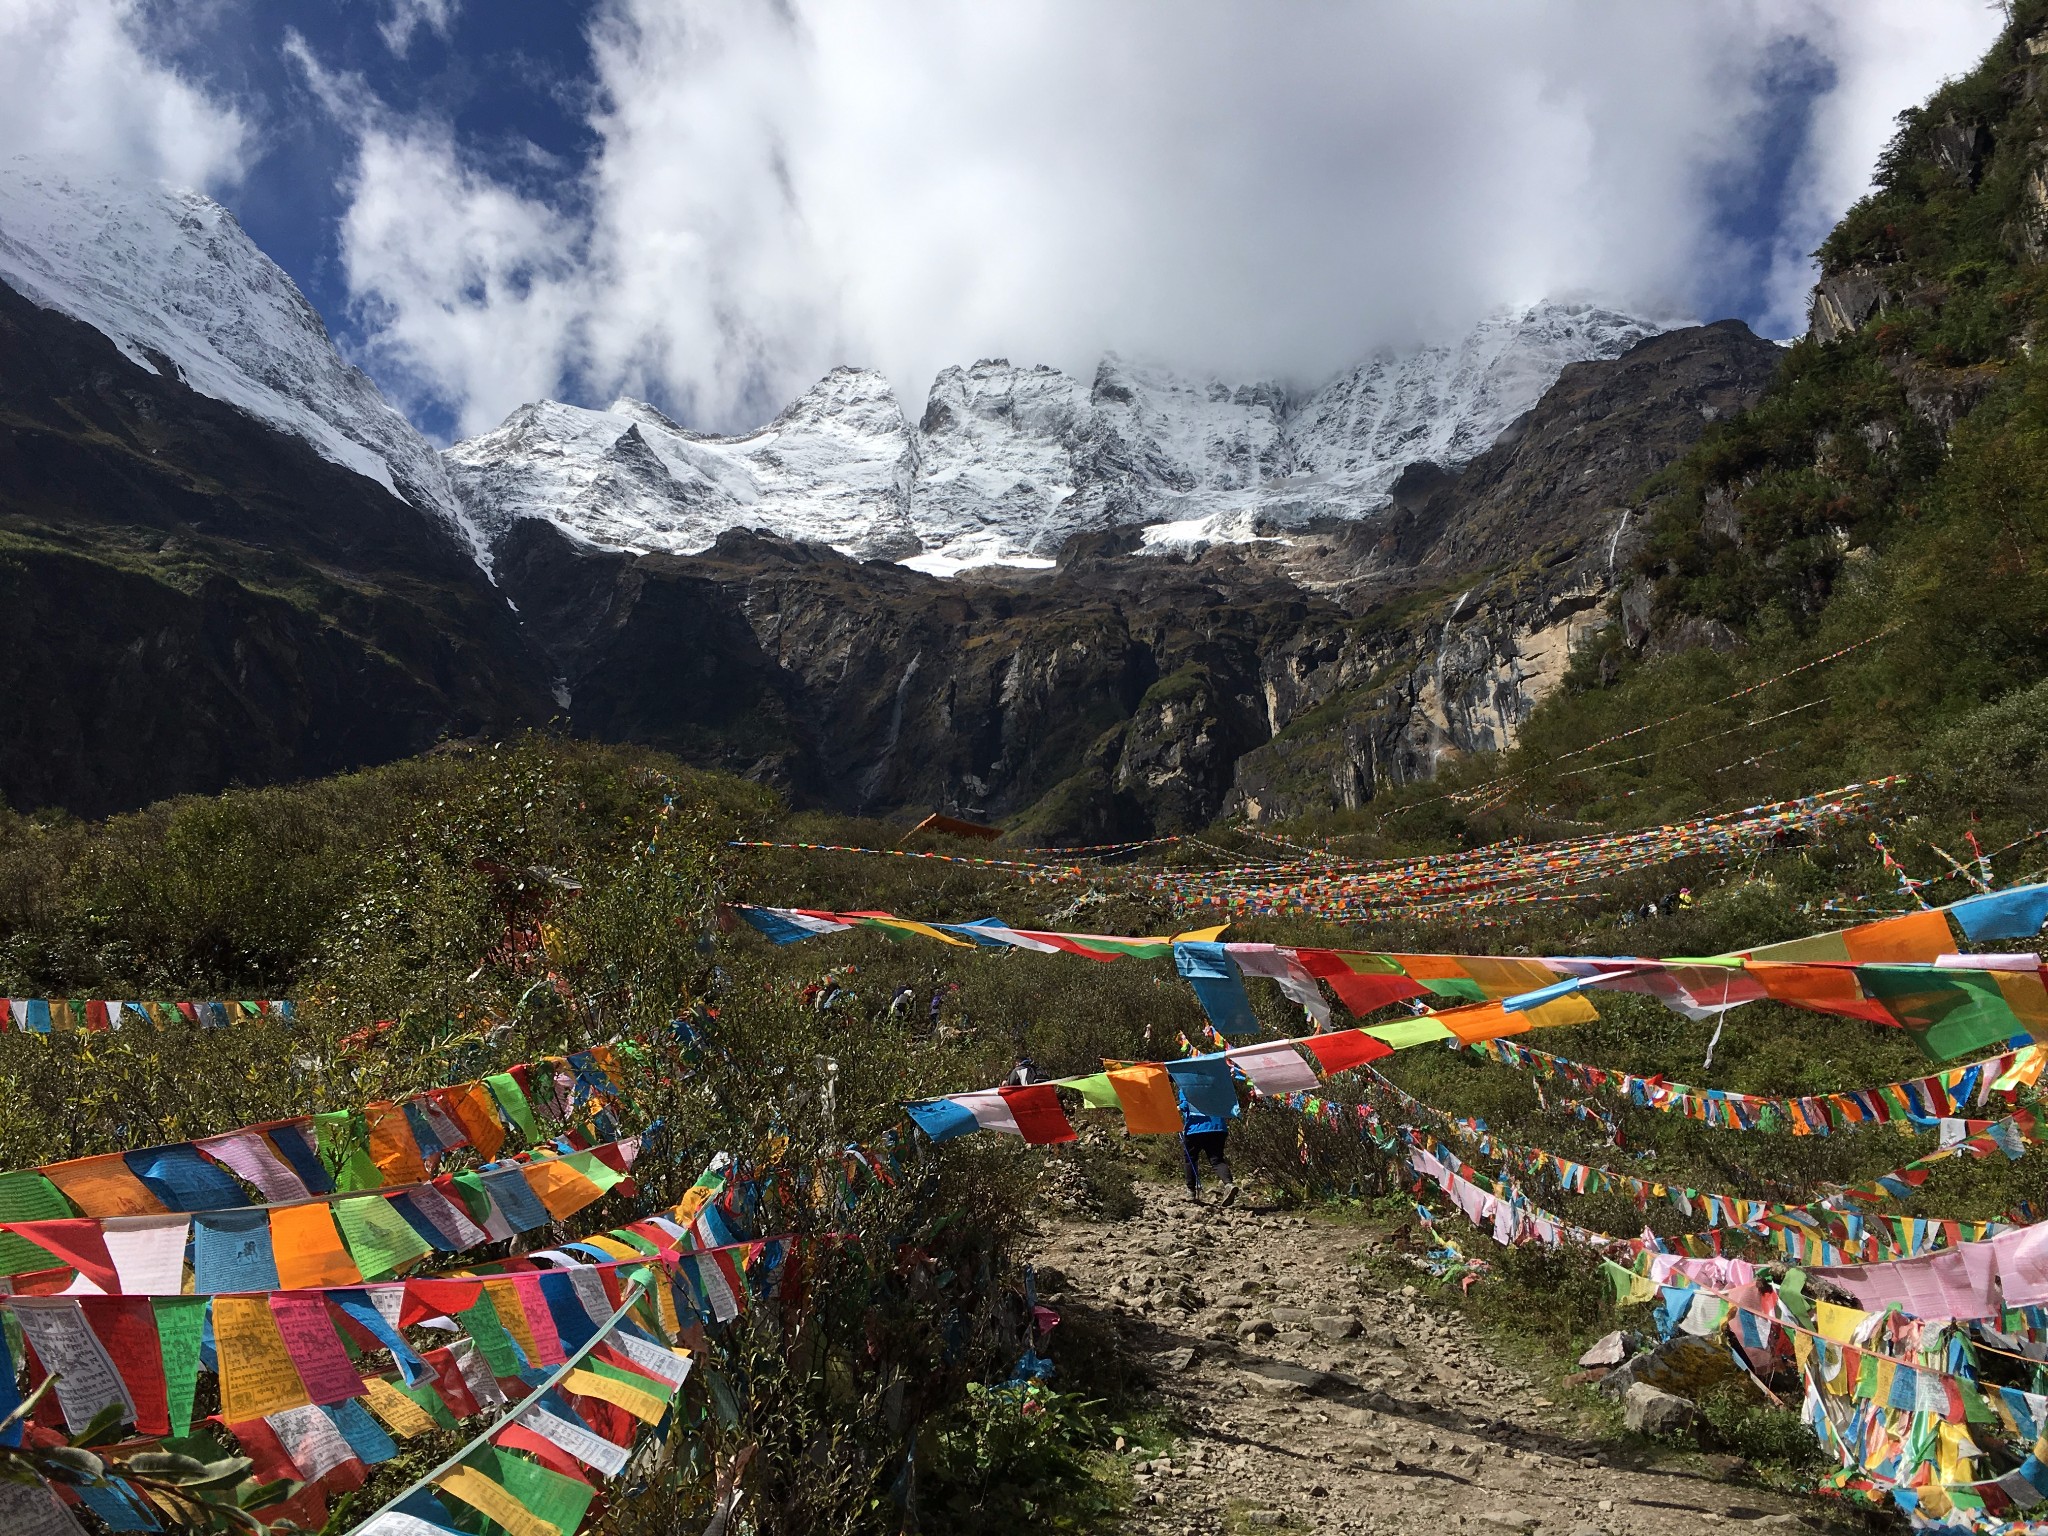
(76,86)
(1269,190)
(406,17)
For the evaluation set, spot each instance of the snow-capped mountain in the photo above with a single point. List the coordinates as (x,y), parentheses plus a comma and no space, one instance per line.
(171,279)
(1009,461)
(1005,463)
(832,468)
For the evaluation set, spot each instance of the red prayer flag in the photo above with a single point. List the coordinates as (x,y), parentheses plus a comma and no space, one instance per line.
(1036,1109)
(79,1241)
(1344,1048)
(127,1326)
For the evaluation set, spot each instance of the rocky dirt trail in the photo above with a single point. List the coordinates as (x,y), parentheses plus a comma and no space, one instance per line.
(1315,1398)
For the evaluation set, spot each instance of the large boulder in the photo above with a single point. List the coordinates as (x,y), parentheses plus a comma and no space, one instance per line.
(1652,1411)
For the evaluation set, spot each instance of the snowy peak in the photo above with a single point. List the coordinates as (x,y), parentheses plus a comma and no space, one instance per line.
(171,279)
(1008,461)
(831,468)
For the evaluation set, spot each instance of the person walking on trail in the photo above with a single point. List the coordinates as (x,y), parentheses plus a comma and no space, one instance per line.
(1202,1135)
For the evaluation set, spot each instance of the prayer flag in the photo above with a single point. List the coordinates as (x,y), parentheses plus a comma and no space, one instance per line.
(1343,1049)
(1218,985)
(308,1249)
(257,1377)
(1036,1109)
(942,1119)
(104,1186)
(2014,914)
(1149,1105)
(1275,1069)
(231,1252)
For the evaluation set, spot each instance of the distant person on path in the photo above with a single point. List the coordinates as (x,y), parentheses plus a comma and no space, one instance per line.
(1204,1136)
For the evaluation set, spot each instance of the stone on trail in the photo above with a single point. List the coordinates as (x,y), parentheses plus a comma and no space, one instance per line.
(1652,1411)
(1610,1351)
(1290,1317)
(1337,1326)
(1177,1359)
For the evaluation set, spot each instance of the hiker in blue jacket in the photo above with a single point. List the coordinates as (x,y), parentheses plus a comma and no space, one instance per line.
(1202,1135)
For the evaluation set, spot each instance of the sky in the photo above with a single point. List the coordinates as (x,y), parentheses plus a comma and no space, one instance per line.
(710,203)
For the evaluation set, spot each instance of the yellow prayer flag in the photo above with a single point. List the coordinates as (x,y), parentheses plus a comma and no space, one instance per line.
(644,1406)
(1837,1323)
(495,1502)
(257,1377)
(512,1313)
(401,1415)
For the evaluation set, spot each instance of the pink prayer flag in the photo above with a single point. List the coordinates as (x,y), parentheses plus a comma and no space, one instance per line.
(248,1154)
(2023,1265)
(1275,1068)
(314,1344)
(538,1318)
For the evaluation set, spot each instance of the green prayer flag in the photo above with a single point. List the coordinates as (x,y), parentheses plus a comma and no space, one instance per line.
(180,1326)
(1462,987)
(28,1196)
(559,1500)
(1096,1091)
(652,1385)
(595,1169)
(487,1332)
(379,1239)
(344,1140)
(427,1398)
(1792,1291)
(475,1198)
(1949,1013)
(1403,1033)
(512,1100)
(1976,1408)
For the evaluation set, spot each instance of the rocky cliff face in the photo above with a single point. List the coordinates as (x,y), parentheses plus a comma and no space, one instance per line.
(1512,562)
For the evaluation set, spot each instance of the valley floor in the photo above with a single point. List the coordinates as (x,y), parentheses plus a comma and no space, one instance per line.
(1356,1408)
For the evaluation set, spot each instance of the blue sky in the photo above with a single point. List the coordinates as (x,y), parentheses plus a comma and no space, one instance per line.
(512,79)
(709,203)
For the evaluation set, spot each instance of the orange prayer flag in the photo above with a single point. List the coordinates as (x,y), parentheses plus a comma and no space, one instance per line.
(1486,1021)
(559,1187)
(104,1186)
(1917,937)
(1146,1094)
(476,1111)
(392,1146)
(1822,988)
(308,1248)
(2027,998)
